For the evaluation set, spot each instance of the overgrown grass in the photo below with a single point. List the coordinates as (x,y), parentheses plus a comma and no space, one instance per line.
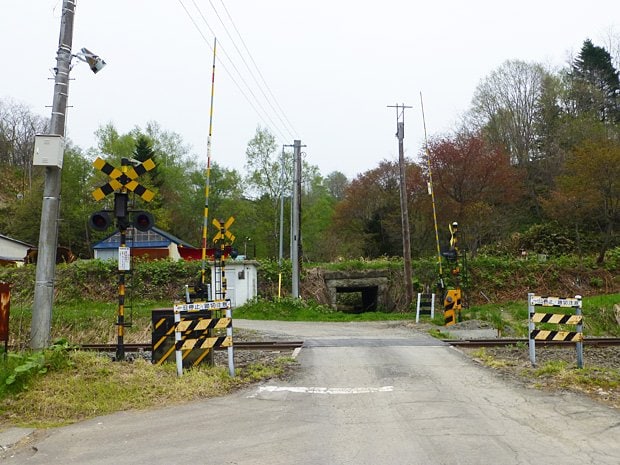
(598,314)
(19,369)
(86,322)
(89,384)
(560,374)
(94,322)
(482,355)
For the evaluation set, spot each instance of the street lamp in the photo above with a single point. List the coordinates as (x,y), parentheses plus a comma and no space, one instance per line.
(49,153)
(96,64)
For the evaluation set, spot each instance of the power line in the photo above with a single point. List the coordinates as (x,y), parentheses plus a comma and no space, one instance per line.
(254,102)
(259,85)
(275,100)
(230,59)
(261,116)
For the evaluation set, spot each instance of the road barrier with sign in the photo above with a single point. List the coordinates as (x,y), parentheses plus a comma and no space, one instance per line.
(187,330)
(575,319)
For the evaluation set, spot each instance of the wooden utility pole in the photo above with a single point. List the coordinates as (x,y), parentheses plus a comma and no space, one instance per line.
(404,210)
(48,233)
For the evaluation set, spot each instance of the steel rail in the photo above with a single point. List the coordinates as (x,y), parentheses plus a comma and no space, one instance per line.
(241,345)
(277,345)
(598,342)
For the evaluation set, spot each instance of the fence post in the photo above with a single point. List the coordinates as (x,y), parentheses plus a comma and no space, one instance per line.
(177,339)
(417,309)
(229,333)
(579,329)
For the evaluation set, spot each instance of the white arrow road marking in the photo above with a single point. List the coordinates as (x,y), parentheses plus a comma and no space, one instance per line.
(321,390)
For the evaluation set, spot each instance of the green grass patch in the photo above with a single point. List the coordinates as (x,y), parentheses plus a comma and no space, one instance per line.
(589,379)
(553,368)
(289,309)
(439,334)
(598,313)
(18,370)
(489,360)
(86,322)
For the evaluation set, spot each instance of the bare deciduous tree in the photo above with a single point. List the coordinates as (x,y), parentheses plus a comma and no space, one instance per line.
(18,126)
(506,105)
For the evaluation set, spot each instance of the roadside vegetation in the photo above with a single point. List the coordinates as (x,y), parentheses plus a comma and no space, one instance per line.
(62,384)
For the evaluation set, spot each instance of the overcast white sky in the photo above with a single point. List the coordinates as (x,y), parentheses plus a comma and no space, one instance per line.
(333,66)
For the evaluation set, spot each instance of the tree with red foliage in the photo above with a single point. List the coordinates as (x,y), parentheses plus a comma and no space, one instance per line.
(368,218)
(476,185)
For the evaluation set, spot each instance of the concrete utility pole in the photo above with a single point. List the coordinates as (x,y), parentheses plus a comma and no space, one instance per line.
(404,210)
(296,255)
(281,244)
(48,234)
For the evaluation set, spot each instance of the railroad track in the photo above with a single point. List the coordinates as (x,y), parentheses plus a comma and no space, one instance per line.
(597,342)
(241,345)
(290,345)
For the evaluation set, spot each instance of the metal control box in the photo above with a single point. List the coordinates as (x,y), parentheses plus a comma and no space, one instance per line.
(48,150)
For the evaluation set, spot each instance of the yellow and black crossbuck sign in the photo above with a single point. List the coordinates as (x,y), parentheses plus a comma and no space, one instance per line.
(223,230)
(124,178)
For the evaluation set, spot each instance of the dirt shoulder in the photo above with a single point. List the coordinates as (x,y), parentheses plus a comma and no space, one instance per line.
(556,366)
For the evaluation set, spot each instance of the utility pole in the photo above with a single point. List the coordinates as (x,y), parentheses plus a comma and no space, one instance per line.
(281,244)
(48,234)
(404,210)
(296,255)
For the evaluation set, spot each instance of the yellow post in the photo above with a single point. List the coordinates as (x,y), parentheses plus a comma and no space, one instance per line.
(279,285)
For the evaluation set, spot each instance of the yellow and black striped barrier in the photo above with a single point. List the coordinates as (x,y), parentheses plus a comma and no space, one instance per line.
(452,306)
(189,333)
(575,319)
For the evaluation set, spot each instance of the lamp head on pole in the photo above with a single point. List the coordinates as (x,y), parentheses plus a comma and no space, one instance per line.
(95,63)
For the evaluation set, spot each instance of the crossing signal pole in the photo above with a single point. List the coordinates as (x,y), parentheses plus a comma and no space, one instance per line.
(404,210)
(121,182)
(453,299)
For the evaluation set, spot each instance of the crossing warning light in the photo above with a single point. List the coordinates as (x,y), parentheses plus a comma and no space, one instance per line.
(143,221)
(100,221)
(451,255)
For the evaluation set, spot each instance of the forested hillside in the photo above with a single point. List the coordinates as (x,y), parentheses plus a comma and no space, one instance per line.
(532,169)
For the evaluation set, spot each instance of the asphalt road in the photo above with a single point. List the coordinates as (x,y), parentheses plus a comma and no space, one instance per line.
(366,393)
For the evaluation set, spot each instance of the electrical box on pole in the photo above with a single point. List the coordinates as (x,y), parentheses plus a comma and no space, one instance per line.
(48,150)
